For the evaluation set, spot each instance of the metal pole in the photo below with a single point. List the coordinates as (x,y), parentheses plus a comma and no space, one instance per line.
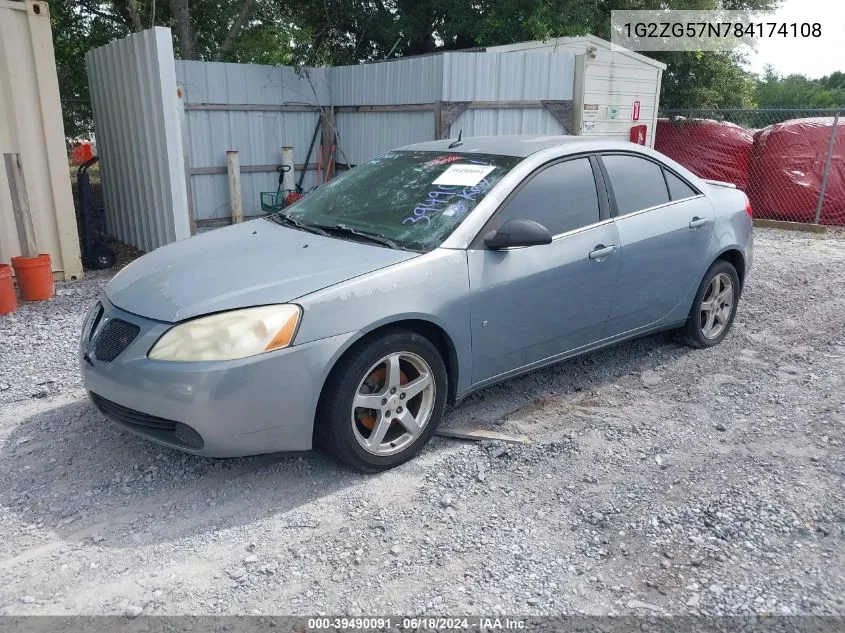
(826,171)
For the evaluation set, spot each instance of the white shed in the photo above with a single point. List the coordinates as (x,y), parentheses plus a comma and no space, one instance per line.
(614,90)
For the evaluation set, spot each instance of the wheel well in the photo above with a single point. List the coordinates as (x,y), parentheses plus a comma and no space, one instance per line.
(429,330)
(735,258)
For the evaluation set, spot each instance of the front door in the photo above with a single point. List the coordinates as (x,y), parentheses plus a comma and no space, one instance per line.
(529,304)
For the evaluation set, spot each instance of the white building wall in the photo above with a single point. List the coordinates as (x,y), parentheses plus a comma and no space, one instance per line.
(613,82)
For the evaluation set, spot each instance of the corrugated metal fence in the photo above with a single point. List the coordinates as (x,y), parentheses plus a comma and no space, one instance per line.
(409,83)
(139,140)
(257,110)
(488,78)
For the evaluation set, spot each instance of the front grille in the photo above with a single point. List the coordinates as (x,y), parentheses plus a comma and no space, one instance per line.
(168,431)
(115,337)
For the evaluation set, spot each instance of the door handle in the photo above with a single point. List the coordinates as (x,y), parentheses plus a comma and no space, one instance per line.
(697,222)
(602,251)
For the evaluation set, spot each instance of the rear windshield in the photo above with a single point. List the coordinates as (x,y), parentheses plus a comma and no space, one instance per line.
(415,199)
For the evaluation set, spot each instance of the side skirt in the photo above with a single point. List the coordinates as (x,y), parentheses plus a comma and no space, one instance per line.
(553,360)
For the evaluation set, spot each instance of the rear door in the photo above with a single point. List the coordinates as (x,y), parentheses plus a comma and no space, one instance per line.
(529,304)
(665,226)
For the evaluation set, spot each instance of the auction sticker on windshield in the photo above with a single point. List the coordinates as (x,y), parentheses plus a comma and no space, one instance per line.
(464,175)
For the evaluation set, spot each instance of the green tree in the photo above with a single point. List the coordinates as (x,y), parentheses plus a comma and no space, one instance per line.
(798,91)
(705,80)
(77,30)
(351,31)
(332,32)
(223,30)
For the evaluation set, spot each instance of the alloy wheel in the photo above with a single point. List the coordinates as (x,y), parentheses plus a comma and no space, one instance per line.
(717,306)
(393,403)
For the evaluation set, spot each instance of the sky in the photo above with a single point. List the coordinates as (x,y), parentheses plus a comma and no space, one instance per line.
(808,56)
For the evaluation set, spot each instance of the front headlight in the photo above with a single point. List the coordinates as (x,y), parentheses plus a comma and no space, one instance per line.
(230,335)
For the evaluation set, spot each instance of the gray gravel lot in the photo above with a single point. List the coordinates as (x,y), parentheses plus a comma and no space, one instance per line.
(661,480)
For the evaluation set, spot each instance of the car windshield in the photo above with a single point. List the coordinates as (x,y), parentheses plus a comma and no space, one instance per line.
(410,200)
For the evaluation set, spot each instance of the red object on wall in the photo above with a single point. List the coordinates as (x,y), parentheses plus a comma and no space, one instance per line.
(638,134)
(635,115)
(786,171)
(715,150)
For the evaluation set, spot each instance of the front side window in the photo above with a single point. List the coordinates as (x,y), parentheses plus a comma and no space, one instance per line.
(414,199)
(637,183)
(562,197)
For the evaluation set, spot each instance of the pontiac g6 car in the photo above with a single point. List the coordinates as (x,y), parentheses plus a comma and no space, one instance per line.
(351,318)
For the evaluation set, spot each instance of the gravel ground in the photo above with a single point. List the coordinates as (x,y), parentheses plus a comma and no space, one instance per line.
(661,480)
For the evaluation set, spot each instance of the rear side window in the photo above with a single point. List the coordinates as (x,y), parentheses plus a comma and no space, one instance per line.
(678,189)
(637,183)
(562,197)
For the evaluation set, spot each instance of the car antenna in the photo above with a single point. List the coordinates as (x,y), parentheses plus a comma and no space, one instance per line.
(458,142)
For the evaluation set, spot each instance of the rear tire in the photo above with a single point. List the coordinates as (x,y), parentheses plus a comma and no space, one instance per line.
(383,401)
(714,307)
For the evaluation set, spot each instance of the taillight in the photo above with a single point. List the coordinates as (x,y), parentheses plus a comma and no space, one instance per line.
(748,207)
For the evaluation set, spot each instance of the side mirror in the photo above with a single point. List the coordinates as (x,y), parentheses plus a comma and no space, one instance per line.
(518,233)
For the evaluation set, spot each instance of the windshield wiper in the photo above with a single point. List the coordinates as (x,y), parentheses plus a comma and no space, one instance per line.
(284,218)
(372,237)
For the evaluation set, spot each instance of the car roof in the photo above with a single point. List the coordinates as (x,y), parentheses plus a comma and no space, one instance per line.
(520,145)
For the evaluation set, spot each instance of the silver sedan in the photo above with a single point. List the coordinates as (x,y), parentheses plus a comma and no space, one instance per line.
(350,319)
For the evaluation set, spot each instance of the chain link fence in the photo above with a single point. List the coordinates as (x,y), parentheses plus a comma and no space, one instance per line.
(790,162)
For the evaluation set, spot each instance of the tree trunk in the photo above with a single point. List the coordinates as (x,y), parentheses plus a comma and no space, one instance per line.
(134,15)
(127,9)
(184,32)
(232,35)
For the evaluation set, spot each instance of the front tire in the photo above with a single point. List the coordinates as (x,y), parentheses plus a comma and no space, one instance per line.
(714,307)
(383,401)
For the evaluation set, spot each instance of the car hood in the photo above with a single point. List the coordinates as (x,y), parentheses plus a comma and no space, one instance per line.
(249,264)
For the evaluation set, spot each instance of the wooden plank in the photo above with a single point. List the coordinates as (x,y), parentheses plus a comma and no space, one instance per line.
(20,205)
(248,107)
(478,435)
(329,140)
(245,169)
(438,119)
(504,105)
(449,113)
(406,107)
(790,226)
(235,203)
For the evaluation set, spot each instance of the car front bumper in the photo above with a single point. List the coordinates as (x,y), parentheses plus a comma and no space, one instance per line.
(249,406)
